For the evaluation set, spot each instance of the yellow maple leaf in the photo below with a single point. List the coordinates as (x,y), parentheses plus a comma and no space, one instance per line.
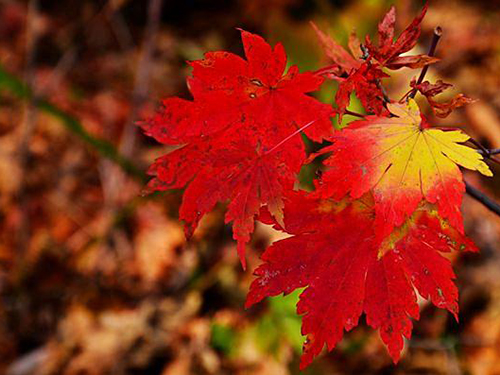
(402,161)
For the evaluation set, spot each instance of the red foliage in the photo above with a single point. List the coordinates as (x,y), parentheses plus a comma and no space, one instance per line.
(402,162)
(362,71)
(386,209)
(241,110)
(388,52)
(336,255)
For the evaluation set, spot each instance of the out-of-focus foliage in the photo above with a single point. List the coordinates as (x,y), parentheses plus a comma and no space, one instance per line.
(97,279)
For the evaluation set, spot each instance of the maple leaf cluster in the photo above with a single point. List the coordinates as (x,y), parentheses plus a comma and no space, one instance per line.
(241,110)
(387,207)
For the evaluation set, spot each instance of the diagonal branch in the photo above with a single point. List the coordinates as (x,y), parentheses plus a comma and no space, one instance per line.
(432,50)
(355,114)
(21,90)
(488,152)
(482,198)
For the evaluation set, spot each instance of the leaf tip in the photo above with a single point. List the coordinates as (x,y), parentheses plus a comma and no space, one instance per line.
(241,253)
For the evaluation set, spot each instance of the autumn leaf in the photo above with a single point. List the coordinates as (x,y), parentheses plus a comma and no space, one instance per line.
(388,52)
(402,161)
(343,61)
(256,93)
(233,135)
(230,168)
(443,109)
(362,72)
(354,74)
(334,253)
(365,82)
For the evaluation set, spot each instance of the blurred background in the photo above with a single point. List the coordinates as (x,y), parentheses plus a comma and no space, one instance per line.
(97,279)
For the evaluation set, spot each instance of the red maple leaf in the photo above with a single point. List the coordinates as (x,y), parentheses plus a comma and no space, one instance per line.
(353,73)
(346,271)
(229,91)
(365,81)
(241,112)
(388,51)
(343,61)
(361,72)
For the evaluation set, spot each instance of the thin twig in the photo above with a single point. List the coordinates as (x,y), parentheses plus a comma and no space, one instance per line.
(30,113)
(142,76)
(113,179)
(120,28)
(63,66)
(488,152)
(482,198)
(484,151)
(356,114)
(432,50)
(384,92)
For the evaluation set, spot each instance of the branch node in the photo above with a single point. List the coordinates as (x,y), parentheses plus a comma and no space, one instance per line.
(438,32)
